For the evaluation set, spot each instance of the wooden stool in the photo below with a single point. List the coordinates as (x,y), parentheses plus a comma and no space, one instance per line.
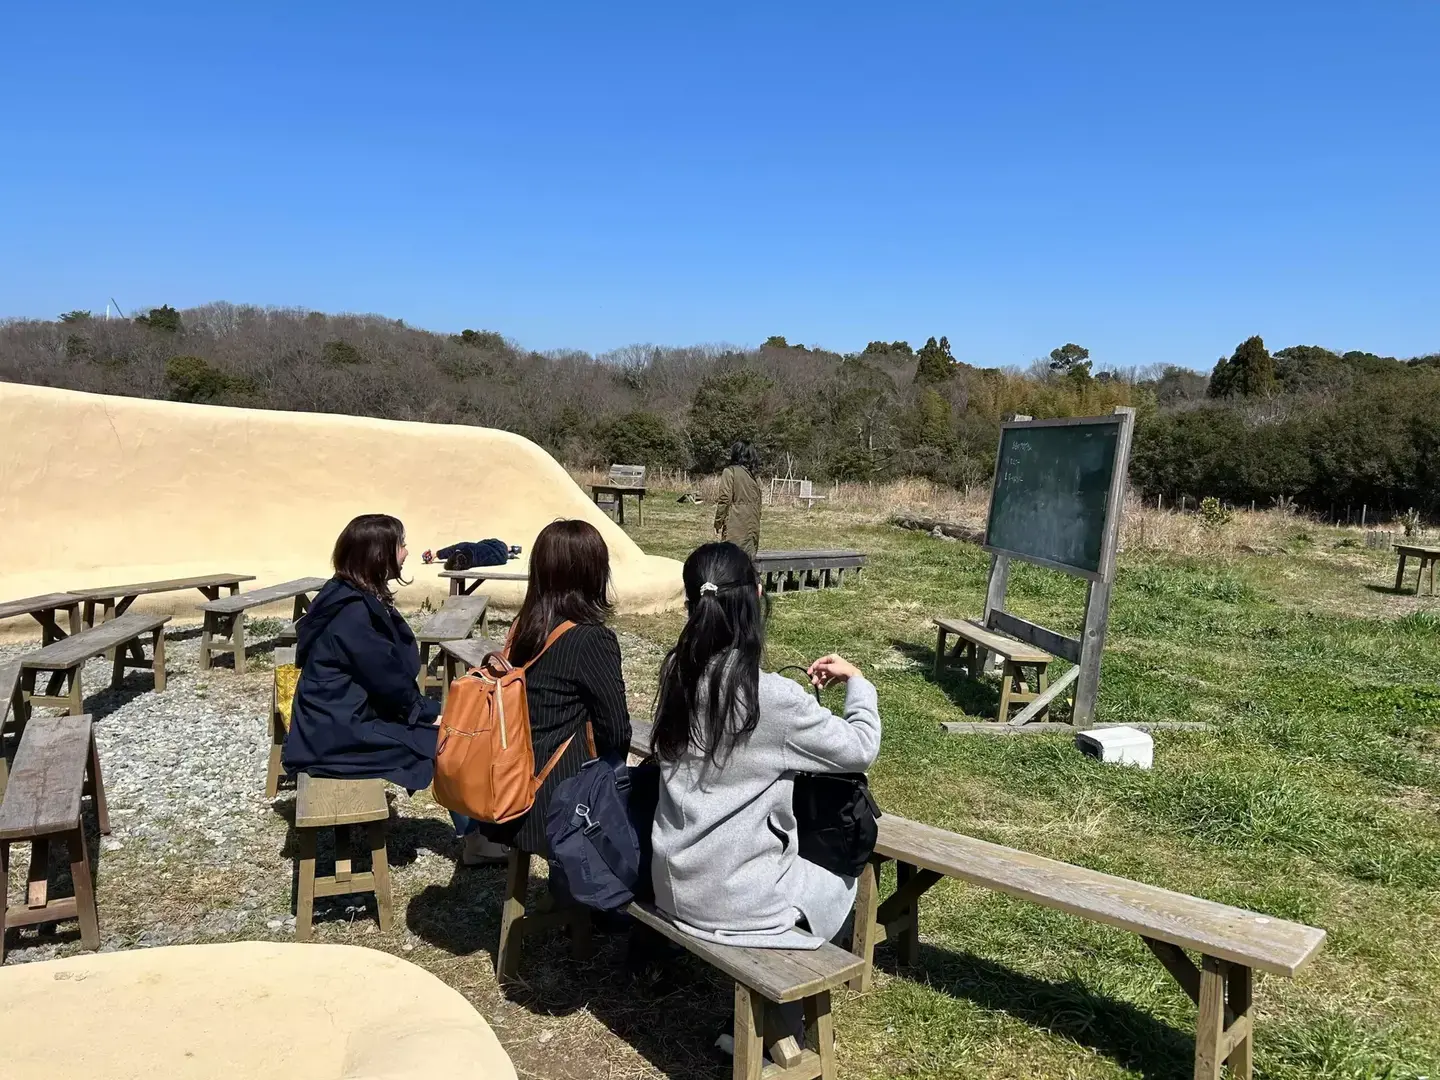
(338,804)
(516,923)
(53,769)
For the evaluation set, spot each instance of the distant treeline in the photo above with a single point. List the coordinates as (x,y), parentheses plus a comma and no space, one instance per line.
(1306,423)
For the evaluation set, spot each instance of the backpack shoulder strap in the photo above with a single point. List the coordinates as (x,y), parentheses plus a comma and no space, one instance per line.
(555,635)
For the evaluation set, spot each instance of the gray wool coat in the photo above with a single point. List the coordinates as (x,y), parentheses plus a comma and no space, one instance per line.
(726,864)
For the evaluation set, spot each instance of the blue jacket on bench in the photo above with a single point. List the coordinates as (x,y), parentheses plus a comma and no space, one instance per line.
(357,712)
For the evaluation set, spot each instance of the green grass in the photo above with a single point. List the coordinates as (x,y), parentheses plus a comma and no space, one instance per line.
(1314,795)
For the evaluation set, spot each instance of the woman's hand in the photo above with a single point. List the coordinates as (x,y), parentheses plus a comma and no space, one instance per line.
(829,669)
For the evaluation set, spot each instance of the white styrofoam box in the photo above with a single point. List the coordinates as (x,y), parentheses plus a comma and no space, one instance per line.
(1118,745)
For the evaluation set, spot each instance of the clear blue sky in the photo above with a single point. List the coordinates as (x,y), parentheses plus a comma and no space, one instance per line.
(1153,183)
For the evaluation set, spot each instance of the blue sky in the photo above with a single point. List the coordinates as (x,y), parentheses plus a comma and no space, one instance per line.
(1151,181)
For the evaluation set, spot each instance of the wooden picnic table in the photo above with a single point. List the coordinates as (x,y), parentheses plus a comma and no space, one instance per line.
(42,609)
(478,575)
(622,480)
(116,599)
(1428,557)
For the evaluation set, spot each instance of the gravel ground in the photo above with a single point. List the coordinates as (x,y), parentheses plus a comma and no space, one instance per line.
(199,854)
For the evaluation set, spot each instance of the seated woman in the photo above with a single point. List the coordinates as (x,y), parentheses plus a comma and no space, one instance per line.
(578,679)
(730,738)
(358,712)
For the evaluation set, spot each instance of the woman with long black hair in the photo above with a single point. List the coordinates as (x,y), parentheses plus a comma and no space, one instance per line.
(576,681)
(730,738)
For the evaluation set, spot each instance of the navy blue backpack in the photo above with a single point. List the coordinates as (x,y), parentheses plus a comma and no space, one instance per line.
(598,827)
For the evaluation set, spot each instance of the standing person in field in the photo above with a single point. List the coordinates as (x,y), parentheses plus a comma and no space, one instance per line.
(737,508)
(577,680)
(357,712)
(730,738)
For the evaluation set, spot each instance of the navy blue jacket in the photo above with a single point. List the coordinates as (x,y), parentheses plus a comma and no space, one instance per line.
(358,712)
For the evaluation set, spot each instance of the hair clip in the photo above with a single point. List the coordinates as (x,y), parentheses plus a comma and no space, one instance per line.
(709,587)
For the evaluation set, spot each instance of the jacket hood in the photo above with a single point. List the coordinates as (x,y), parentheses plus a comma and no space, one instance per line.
(328,602)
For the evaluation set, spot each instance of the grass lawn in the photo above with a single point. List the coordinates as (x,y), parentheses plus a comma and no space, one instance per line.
(1313,796)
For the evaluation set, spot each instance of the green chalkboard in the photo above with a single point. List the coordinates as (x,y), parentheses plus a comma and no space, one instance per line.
(1052,492)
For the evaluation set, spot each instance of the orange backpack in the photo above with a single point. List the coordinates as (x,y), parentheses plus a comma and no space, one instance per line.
(485,762)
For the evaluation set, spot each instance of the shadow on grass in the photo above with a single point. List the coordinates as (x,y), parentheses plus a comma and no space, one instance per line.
(1390,590)
(1128,1036)
(975,697)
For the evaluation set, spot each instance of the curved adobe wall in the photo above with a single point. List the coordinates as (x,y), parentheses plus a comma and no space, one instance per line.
(98,491)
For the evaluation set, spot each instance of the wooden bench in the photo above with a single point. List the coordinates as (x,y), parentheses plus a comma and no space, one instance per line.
(765,979)
(53,769)
(1427,557)
(453,622)
(974,645)
(338,804)
(478,575)
(225,618)
(622,480)
(115,600)
(460,656)
(784,571)
(43,610)
(1233,943)
(64,659)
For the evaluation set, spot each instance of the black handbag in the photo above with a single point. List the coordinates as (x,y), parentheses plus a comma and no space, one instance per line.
(835,817)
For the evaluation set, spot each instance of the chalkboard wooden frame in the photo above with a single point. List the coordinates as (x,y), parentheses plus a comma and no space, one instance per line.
(1085,652)
(1122,422)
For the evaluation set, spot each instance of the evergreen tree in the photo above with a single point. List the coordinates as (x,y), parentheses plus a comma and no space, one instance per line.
(935,362)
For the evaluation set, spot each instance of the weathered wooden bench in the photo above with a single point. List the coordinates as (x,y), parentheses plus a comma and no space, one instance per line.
(465,582)
(1427,557)
(43,610)
(53,769)
(339,804)
(1233,943)
(14,711)
(622,480)
(460,656)
(974,645)
(453,622)
(225,618)
(113,600)
(764,980)
(66,659)
(784,571)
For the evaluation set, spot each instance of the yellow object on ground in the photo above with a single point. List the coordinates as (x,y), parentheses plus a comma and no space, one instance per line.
(98,491)
(250,1010)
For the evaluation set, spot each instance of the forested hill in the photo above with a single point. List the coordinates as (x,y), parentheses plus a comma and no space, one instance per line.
(1303,422)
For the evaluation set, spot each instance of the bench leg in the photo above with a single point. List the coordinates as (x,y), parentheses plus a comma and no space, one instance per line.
(117,668)
(305,895)
(749,1033)
(342,855)
(77,695)
(1222,1028)
(108,614)
(95,787)
(512,914)
(84,889)
(207,633)
(1242,1057)
(820,1032)
(237,637)
(380,869)
(273,768)
(862,940)
(940,636)
(4,893)
(1008,676)
(157,658)
(907,947)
